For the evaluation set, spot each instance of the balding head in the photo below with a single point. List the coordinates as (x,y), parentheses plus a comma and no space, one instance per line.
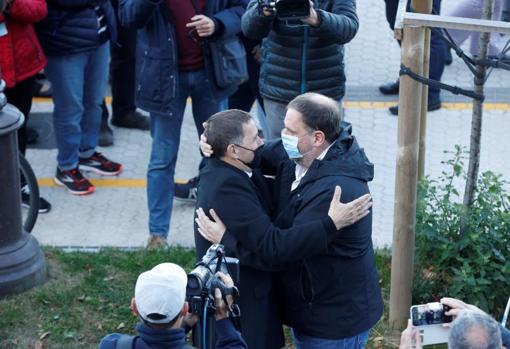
(319,113)
(474,331)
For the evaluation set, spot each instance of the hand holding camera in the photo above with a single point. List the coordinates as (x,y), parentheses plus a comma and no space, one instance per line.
(222,307)
(209,277)
(289,10)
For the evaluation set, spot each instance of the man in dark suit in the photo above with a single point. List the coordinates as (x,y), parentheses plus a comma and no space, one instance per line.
(237,193)
(330,299)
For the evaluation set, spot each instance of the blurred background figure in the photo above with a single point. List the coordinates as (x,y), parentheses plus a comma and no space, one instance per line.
(75,37)
(21,58)
(122,81)
(438,52)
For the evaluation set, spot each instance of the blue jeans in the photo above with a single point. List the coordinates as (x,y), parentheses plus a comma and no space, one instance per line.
(79,86)
(166,133)
(302,341)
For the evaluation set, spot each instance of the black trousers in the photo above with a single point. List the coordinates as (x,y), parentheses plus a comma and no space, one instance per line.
(438,46)
(20,96)
(247,92)
(122,68)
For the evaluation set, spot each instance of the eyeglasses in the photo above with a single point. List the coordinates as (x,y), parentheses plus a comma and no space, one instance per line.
(240,146)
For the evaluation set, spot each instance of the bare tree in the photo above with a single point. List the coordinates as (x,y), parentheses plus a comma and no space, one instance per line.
(476,122)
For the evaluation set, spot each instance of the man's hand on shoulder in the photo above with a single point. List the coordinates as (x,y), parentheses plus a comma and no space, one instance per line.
(222,308)
(211,230)
(344,215)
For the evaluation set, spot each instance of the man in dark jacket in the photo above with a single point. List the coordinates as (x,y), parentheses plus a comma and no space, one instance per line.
(174,63)
(332,298)
(238,194)
(159,303)
(301,56)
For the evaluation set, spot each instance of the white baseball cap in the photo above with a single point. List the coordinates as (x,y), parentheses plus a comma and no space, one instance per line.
(160,293)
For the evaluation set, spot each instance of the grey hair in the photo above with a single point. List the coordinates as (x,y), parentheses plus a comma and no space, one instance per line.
(474,331)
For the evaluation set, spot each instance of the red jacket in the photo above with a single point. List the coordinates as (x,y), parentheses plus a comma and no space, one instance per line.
(21,55)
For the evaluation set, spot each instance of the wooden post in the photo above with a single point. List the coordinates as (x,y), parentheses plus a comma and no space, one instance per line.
(406,177)
(423,7)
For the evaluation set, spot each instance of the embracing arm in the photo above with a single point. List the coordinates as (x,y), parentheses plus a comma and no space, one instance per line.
(269,157)
(247,221)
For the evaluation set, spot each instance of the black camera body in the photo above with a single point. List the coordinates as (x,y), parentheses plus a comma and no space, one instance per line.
(286,9)
(202,280)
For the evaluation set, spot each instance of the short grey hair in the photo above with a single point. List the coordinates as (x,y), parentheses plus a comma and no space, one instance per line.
(474,331)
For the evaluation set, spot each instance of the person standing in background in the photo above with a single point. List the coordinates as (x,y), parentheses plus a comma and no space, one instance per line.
(21,58)
(174,63)
(75,37)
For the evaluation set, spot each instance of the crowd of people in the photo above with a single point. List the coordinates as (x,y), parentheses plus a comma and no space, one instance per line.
(291,202)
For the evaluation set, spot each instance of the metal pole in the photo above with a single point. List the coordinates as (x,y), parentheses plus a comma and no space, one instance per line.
(406,178)
(22,263)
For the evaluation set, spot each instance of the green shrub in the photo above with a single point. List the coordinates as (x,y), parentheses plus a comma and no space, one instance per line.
(474,266)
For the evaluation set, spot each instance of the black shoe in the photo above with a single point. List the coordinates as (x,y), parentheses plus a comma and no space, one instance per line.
(99,164)
(105,135)
(433,105)
(390,88)
(44,205)
(32,135)
(186,192)
(131,120)
(74,181)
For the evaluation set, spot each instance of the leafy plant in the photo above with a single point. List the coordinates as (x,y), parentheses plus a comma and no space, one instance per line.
(474,266)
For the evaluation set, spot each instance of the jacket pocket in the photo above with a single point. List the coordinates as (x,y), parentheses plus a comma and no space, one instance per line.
(148,74)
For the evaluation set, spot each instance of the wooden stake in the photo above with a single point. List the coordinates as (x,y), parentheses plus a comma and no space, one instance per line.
(406,177)
(424,7)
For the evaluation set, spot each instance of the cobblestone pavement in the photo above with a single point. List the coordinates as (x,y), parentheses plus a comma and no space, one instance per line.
(116,214)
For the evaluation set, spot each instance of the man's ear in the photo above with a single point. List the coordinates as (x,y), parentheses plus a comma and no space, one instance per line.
(133,307)
(319,138)
(231,150)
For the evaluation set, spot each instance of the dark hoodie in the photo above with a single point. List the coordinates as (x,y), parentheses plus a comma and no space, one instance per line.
(152,338)
(334,295)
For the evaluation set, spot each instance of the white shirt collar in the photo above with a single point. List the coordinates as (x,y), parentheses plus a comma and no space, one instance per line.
(301,170)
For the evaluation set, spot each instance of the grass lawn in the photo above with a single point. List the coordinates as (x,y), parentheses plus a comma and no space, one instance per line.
(88,294)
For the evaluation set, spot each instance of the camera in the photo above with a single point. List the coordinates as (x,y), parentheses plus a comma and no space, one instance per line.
(429,319)
(286,9)
(202,280)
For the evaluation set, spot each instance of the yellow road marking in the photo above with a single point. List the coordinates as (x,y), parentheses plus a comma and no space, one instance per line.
(363,104)
(449,106)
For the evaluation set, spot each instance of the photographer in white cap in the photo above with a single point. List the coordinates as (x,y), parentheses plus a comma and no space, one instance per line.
(161,307)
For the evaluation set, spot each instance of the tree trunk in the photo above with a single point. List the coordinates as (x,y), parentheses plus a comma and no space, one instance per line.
(476,123)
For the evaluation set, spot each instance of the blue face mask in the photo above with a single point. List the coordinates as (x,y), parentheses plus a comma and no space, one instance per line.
(290,145)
